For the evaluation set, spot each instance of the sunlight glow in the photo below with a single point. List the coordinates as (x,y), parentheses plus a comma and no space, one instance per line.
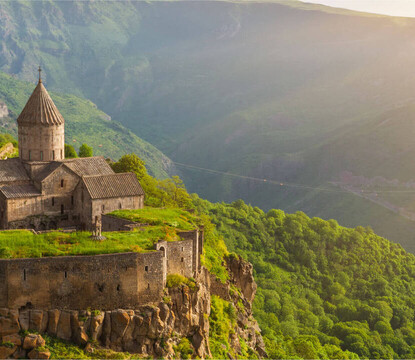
(386,7)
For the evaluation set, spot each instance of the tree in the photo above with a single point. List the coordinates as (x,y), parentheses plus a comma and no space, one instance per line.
(70,152)
(85,151)
(130,163)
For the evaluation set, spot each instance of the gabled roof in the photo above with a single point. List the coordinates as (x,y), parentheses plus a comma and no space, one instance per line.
(12,170)
(40,109)
(47,170)
(89,166)
(80,166)
(19,191)
(114,185)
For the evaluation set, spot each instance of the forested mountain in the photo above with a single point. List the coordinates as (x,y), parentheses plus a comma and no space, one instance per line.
(324,291)
(278,90)
(85,123)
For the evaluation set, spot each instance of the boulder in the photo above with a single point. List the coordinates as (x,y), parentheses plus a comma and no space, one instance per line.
(36,320)
(119,323)
(97,324)
(64,330)
(8,326)
(32,341)
(20,353)
(6,351)
(13,338)
(39,354)
(53,320)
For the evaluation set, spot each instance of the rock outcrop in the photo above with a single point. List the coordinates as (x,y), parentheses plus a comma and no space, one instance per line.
(151,330)
(241,289)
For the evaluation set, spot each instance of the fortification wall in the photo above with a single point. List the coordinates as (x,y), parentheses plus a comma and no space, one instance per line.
(78,282)
(178,256)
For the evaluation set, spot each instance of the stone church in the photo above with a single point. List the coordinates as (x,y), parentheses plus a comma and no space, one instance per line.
(42,190)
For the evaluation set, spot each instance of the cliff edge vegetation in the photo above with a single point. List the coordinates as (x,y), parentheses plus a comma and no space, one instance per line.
(324,291)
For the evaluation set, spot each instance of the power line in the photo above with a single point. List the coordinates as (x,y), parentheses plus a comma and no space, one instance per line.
(285,183)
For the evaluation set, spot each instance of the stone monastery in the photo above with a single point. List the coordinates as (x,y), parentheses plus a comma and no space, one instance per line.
(42,190)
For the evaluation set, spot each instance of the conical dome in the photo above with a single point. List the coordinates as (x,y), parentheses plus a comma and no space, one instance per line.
(40,109)
(41,128)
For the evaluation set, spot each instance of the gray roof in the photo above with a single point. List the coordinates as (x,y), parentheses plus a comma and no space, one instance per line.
(12,170)
(19,191)
(40,109)
(80,166)
(114,185)
(47,170)
(89,166)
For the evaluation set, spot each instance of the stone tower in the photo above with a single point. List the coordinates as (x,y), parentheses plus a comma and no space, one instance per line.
(41,128)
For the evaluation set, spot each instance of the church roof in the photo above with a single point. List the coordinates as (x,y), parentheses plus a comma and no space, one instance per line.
(80,166)
(12,170)
(114,185)
(19,191)
(40,109)
(89,166)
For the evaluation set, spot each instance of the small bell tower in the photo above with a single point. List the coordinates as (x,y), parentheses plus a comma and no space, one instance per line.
(41,128)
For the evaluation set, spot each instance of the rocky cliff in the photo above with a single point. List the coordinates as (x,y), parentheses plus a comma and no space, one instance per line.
(152,330)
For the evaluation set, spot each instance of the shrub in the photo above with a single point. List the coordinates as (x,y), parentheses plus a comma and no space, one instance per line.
(175,280)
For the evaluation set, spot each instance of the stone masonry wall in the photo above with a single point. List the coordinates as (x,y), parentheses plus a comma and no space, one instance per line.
(78,282)
(179,256)
(112,223)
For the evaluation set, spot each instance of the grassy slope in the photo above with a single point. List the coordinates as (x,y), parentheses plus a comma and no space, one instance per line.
(84,123)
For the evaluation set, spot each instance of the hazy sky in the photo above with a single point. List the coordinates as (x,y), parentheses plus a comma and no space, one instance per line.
(387,7)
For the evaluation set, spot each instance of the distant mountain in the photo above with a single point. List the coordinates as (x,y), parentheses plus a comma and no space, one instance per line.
(294,92)
(83,123)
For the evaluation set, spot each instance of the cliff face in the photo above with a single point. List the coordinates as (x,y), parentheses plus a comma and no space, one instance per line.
(153,331)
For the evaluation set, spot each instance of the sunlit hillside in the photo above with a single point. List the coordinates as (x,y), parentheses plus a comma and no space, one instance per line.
(288,91)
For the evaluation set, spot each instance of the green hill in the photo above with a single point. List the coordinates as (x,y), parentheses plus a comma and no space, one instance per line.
(260,89)
(85,123)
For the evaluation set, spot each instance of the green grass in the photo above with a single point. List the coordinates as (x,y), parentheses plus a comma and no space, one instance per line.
(175,218)
(60,349)
(24,244)
(164,224)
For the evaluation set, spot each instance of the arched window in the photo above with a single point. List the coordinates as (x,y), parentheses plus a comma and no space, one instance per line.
(41,156)
(53,201)
(163,250)
(30,154)
(62,183)
(62,209)
(53,154)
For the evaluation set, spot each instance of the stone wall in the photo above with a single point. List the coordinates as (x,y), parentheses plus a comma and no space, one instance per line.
(21,208)
(112,223)
(105,206)
(178,256)
(41,143)
(78,282)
